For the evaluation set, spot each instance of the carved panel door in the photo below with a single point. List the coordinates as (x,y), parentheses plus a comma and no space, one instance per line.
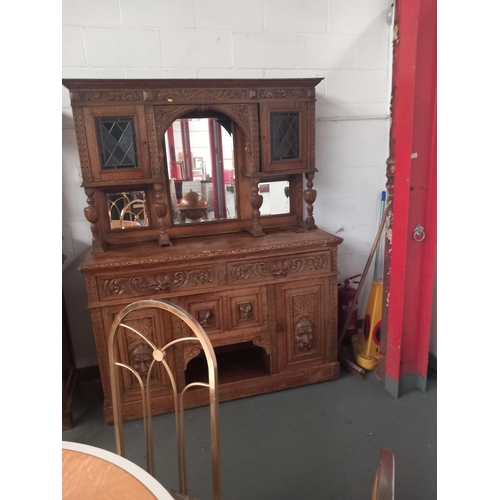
(302,323)
(156,326)
(117,145)
(286,128)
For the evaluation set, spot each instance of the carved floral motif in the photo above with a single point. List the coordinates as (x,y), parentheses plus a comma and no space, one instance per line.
(278,268)
(205,317)
(161,282)
(283,93)
(201,95)
(118,95)
(245,311)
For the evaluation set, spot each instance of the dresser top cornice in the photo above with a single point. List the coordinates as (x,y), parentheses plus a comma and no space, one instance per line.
(235,245)
(176,83)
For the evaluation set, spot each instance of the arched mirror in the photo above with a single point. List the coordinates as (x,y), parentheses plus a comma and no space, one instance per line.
(201,170)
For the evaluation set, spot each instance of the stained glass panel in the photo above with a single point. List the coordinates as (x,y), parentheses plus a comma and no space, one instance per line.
(116,139)
(284,136)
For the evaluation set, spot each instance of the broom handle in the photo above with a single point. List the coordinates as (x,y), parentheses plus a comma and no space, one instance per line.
(365,272)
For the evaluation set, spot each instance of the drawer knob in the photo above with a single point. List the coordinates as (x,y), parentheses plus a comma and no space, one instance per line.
(280,329)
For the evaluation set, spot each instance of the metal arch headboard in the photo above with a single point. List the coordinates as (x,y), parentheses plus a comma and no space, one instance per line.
(159,356)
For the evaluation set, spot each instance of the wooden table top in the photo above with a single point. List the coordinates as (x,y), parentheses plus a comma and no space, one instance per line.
(93,473)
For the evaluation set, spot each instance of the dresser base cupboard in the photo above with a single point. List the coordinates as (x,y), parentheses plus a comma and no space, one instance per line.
(269,306)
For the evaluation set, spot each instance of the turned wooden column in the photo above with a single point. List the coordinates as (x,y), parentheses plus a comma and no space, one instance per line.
(256,202)
(310,198)
(92,215)
(161,209)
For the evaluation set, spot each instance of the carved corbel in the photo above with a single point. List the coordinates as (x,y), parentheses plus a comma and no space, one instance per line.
(264,343)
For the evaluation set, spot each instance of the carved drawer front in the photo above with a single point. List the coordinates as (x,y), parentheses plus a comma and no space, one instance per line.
(137,353)
(207,310)
(269,269)
(248,309)
(152,283)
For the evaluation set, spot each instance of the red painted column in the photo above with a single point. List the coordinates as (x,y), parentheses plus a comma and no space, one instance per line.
(186,149)
(174,168)
(412,199)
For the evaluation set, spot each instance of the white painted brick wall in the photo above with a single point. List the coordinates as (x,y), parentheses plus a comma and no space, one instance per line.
(157,13)
(229,15)
(297,16)
(122,47)
(361,17)
(347,42)
(102,13)
(73,52)
(196,48)
(266,50)
(327,51)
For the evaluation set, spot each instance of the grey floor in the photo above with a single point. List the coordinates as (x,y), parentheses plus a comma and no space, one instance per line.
(316,442)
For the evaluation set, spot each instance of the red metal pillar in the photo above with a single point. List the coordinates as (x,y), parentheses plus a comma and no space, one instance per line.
(219,197)
(186,149)
(174,167)
(411,200)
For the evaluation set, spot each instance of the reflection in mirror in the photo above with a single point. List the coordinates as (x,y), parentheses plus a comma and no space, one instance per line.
(201,169)
(127,209)
(275,197)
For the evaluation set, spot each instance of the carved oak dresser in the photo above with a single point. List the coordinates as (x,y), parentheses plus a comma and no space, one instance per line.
(195,195)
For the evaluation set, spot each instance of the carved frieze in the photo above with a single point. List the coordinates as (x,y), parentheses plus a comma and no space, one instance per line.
(278,268)
(133,262)
(157,283)
(284,93)
(115,95)
(203,95)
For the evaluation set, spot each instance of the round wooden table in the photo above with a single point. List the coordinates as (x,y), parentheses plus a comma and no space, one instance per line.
(92,473)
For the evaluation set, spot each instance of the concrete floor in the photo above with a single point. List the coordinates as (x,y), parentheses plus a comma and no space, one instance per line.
(317,442)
